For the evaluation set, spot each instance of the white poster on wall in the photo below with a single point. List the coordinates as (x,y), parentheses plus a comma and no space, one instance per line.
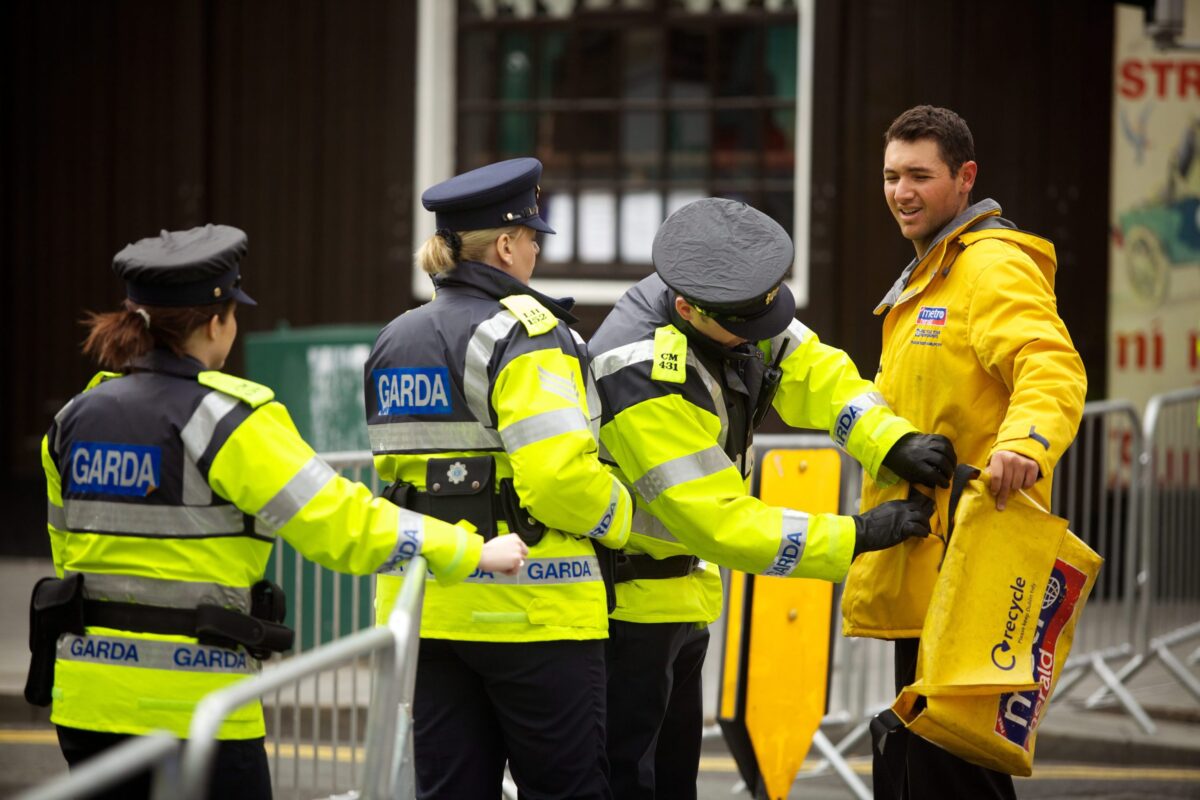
(1154,289)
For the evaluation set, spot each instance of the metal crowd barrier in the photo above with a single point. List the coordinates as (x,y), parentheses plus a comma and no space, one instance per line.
(157,751)
(1168,612)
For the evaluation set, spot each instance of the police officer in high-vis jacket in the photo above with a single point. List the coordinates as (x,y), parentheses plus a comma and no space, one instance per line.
(477,408)
(167,483)
(687,365)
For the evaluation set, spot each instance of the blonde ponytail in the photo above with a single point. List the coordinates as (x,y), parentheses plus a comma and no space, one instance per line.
(437,254)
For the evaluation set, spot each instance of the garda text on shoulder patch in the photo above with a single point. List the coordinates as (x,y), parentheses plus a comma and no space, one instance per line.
(412,390)
(108,468)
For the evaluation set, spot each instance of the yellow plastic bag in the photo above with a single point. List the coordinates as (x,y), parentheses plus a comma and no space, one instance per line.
(998,631)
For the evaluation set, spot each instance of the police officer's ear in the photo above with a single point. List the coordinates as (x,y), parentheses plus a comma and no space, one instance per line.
(504,249)
(684,308)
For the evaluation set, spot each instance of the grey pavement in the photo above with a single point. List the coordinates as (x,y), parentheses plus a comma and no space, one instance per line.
(1106,737)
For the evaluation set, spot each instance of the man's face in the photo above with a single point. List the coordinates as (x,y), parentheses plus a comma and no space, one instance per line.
(921,193)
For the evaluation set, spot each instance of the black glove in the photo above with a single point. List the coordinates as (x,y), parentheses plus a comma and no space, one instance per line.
(926,458)
(892,523)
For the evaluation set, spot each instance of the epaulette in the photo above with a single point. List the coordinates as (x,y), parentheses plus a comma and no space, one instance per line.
(249,392)
(670,355)
(536,318)
(99,378)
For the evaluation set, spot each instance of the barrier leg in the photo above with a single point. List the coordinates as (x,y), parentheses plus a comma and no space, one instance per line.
(1194,658)
(1067,682)
(844,744)
(1181,672)
(1126,699)
(1132,667)
(831,754)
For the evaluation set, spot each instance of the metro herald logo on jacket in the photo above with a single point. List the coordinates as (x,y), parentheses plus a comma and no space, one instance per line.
(1019,712)
(107,468)
(412,390)
(931,315)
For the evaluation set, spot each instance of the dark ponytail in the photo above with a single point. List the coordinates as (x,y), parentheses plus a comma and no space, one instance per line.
(116,338)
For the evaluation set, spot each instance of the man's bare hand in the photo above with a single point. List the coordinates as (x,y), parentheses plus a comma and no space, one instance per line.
(1010,472)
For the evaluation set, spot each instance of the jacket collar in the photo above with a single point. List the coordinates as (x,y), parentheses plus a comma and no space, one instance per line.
(975,214)
(498,284)
(163,360)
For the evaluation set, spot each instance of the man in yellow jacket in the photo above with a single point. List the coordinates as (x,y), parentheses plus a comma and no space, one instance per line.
(973,348)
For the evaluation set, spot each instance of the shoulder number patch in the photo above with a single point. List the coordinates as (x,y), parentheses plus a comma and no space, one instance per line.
(536,318)
(670,355)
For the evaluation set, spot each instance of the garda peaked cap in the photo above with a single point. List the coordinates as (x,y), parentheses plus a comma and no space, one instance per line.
(185,268)
(496,196)
(728,260)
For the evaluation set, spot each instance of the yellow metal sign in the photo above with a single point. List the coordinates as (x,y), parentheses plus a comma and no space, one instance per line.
(775,668)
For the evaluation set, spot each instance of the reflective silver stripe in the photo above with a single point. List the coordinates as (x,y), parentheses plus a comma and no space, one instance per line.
(593,404)
(158,592)
(476,384)
(626,355)
(850,414)
(794,536)
(166,521)
(797,332)
(538,572)
(681,470)
(196,491)
(610,361)
(647,524)
(58,419)
(56,516)
(155,654)
(296,494)
(425,436)
(542,426)
(410,537)
(714,391)
(198,432)
(196,436)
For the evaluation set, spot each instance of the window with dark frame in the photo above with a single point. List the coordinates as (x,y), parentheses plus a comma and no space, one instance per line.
(636,108)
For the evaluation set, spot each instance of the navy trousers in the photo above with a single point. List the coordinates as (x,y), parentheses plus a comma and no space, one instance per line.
(655,697)
(538,705)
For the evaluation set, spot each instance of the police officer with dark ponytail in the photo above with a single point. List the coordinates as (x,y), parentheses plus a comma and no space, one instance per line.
(167,482)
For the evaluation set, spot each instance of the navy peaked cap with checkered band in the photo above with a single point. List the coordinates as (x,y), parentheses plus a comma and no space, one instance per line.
(496,196)
(185,268)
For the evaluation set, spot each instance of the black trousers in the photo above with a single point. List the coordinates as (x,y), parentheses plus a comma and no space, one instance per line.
(911,768)
(655,695)
(540,705)
(240,771)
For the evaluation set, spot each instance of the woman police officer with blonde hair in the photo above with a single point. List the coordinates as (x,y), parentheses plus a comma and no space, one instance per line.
(477,408)
(166,488)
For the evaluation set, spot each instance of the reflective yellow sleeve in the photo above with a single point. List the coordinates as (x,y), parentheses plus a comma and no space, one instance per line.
(53,498)
(821,388)
(668,449)
(542,417)
(266,469)
(1020,339)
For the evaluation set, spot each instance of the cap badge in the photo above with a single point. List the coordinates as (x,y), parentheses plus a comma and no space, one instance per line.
(217,291)
(770,298)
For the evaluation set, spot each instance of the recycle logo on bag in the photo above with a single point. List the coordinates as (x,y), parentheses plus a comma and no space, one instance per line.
(1019,712)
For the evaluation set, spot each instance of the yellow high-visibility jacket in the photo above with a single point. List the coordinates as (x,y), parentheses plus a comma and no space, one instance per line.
(681,438)
(489,367)
(974,349)
(166,487)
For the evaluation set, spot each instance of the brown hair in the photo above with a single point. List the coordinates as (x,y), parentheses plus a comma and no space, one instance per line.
(117,337)
(948,129)
(436,256)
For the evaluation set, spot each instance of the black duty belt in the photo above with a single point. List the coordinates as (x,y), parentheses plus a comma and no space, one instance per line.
(644,567)
(210,624)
